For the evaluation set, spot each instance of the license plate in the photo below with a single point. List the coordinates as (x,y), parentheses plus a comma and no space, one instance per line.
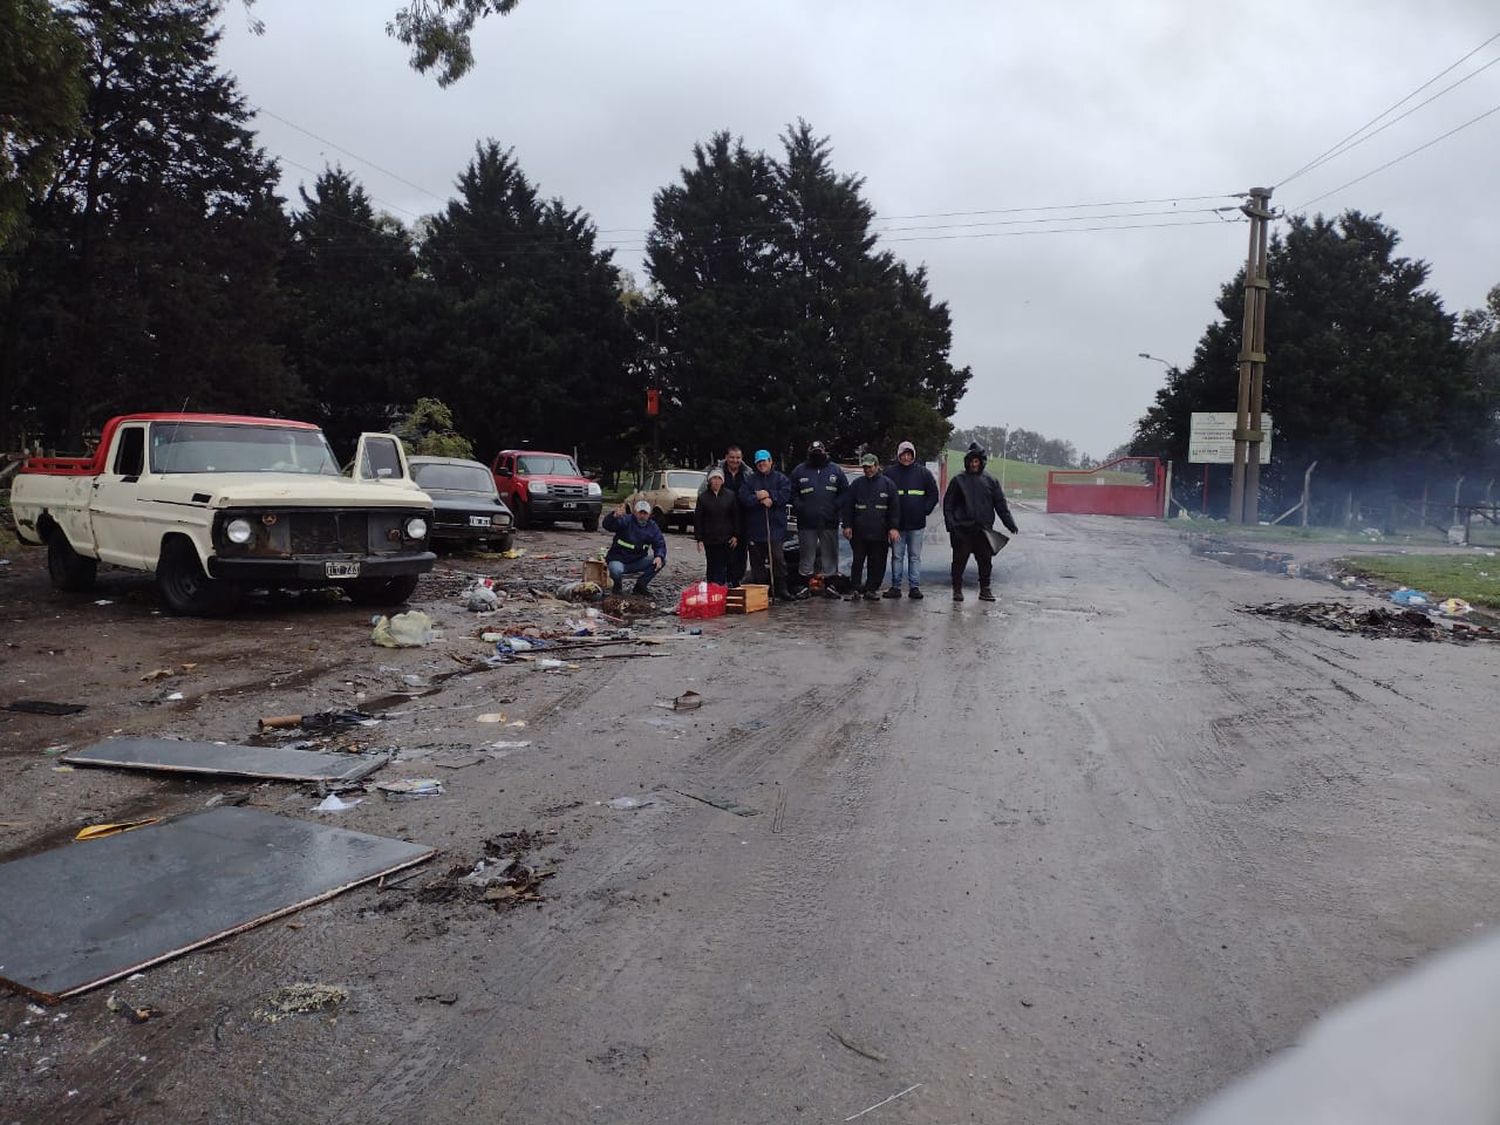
(342,569)
(569,504)
(479,521)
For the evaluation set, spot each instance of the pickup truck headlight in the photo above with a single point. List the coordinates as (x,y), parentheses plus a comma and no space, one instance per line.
(416,528)
(594,489)
(537,487)
(502,520)
(239,531)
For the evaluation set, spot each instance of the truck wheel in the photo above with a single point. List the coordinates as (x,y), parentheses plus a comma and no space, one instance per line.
(504,543)
(70,571)
(518,513)
(591,523)
(186,590)
(382,591)
(659,518)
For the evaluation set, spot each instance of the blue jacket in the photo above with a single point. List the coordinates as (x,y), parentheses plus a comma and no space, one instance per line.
(780,488)
(870,508)
(917,491)
(633,539)
(818,496)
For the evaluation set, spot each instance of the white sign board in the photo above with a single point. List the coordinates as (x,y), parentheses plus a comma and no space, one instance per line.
(1211,438)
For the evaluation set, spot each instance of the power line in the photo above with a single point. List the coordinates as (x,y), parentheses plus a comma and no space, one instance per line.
(372,198)
(1395,120)
(352,155)
(1446,70)
(1399,159)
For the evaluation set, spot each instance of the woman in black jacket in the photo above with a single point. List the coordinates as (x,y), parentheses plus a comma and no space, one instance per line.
(716,526)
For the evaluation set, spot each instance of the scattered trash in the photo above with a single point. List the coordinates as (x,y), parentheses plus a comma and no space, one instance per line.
(481,597)
(1373,534)
(104,601)
(269,763)
(53,751)
(720,803)
(491,717)
(411,679)
(513,553)
(440,997)
(1409,597)
(1342,617)
(1454,607)
(132,1013)
(332,803)
(45,707)
(98,831)
(688,701)
(320,721)
(300,999)
(548,664)
(584,628)
(406,630)
(174,697)
(461,764)
(887,1101)
(504,745)
(1348,582)
(411,787)
(624,803)
(580,591)
(157,674)
(518,644)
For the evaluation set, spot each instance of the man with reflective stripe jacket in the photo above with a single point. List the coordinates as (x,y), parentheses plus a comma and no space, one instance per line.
(638,546)
(817,500)
(870,525)
(917,497)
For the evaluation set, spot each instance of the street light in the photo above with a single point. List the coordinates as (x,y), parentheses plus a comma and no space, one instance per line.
(1158,359)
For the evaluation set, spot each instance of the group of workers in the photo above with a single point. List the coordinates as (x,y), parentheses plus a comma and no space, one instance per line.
(740,523)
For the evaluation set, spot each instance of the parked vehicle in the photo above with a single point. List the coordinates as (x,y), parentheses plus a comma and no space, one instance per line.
(540,486)
(466,506)
(215,504)
(673,495)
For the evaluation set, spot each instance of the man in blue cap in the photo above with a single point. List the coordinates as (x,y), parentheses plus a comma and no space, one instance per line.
(765,496)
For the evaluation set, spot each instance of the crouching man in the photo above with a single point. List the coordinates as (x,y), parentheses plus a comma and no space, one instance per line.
(638,547)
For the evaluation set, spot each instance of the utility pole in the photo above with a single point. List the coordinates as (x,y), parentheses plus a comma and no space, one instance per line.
(1244,487)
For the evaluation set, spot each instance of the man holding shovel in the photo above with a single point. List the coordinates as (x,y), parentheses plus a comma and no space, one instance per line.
(765,496)
(970,505)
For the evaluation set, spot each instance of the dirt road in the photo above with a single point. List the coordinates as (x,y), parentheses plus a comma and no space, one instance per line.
(1082,855)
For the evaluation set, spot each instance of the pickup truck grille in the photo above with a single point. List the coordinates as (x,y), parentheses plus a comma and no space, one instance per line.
(330,533)
(568,491)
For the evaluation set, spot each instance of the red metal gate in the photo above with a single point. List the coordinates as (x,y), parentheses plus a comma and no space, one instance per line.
(1129,486)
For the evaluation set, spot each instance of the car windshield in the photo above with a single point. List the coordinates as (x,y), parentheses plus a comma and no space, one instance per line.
(687,479)
(206,447)
(454,478)
(548,465)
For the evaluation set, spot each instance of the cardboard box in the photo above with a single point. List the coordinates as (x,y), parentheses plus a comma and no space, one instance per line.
(595,571)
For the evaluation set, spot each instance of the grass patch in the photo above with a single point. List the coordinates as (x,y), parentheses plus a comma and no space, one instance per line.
(1021,477)
(1476,580)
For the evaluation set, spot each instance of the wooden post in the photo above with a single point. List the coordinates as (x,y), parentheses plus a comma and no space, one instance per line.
(1244,483)
(1307,491)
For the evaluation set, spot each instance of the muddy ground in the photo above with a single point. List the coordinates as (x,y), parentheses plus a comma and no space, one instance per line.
(1083,855)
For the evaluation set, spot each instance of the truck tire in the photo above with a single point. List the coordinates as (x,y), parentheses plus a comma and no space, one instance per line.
(504,543)
(382,591)
(518,512)
(70,572)
(591,523)
(185,589)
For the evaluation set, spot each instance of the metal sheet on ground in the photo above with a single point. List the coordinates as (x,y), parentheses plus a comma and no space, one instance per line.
(89,913)
(267,762)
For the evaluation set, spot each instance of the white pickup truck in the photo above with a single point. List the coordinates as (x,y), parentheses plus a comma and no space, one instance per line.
(216,504)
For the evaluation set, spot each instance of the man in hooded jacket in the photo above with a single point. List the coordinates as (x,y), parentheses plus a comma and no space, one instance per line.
(764,498)
(917,496)
(970,505)
(817,499)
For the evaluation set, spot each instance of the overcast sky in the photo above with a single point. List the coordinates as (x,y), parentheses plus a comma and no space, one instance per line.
(953,106)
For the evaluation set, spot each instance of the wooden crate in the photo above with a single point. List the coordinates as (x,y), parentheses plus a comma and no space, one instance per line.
(595,571)
(748,599)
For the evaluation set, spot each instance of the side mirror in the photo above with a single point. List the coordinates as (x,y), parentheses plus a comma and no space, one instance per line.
(502,471)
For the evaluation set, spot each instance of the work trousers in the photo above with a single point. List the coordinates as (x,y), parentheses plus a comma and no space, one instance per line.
(869,557)
(640,568)
(758,573)
(818,552)
(719,557)
(737,562)
(971,542)
(906,559)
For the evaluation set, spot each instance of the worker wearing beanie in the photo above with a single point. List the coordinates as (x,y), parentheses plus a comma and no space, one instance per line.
(916,498)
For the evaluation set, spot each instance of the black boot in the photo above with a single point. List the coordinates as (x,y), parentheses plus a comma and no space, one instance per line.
(782,594)
(958,590)
(618,587)
(984,592)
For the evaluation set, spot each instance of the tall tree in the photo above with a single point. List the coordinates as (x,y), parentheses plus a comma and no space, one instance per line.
(530,339)
(777,312)
(1365,375)
(351,331)
(150,281)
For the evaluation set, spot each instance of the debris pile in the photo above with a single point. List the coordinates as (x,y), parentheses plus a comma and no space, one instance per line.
(1377,621)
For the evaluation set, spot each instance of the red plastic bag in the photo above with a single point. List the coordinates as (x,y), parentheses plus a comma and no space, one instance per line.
(701,600)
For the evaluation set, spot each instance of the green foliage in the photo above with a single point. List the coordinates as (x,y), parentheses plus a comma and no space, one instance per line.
(41,95)
(1477,581)
(438,33)
(150,277)
(428,430)
(1019,445)
(774,321)
(1364,373)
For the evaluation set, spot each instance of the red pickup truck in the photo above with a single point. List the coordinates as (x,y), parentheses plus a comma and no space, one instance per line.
(539,486)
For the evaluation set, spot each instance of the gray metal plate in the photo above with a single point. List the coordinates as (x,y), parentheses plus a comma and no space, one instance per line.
(92,912)
(225,761)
